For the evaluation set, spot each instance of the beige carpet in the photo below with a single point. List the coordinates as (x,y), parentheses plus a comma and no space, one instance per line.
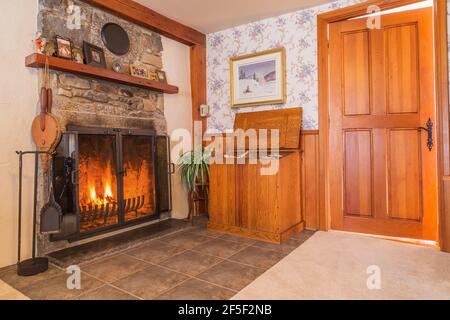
(9,293)
(333,265)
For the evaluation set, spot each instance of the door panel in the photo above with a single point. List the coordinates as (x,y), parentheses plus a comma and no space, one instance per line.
(382,176)
(404,183)
(402,68)
(356,73)
(358,182)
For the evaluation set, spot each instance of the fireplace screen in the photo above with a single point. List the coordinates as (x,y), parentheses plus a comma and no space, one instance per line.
(97,181)
(111,178)
(139,177)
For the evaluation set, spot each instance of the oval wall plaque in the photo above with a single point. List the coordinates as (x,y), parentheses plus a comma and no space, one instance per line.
(115,39)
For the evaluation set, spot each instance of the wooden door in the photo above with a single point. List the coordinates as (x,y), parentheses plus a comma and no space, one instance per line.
(382,174)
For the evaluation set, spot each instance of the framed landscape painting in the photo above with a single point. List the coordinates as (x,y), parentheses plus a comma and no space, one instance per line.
(258,78)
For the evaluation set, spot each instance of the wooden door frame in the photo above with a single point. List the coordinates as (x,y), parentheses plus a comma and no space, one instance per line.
(442,108)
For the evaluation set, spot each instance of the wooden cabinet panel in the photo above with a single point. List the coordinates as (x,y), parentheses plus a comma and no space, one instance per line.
(246,200)
(266,194)
(264,207)
(257,204)
(222,194)
(286,121)
(289,191)
(266,202)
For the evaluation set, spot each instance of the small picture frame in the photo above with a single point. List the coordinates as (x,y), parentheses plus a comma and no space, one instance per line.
(93,55)
(77,55)
(153,75)
(162,76)
(63,47)
(139,71)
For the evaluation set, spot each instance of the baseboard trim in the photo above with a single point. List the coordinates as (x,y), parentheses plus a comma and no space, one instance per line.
(271,237)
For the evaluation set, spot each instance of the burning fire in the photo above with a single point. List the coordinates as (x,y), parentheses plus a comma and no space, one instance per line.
(106,198)
(107,195)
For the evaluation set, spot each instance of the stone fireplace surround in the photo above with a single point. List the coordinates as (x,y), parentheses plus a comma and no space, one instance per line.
(80,101)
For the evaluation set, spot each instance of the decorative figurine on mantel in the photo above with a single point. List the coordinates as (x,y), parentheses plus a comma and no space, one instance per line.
(40,43)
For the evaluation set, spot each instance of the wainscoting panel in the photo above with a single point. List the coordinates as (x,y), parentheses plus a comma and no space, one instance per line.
(310,178)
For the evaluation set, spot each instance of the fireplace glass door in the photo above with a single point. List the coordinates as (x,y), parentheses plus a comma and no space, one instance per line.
(138,177)
(97,181)
(105,179)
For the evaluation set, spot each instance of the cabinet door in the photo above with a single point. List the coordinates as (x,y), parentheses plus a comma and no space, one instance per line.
(222,195)
(257,199)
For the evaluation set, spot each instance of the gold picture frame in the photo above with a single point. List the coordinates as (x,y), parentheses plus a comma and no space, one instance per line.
(139,71)
(249,90)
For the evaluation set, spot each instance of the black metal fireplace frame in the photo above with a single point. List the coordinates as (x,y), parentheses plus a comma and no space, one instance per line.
(119,133)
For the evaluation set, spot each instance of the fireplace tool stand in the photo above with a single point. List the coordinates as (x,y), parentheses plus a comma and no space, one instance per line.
(35,265)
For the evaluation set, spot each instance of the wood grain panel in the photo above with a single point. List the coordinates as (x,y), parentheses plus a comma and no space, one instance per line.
(402,68)
(287,121)
(404,183)
(310,179)
(445,217)
(276,238)
(356,73)
(358,173)
(289,202)
(198,86)
(266,194)
(247,206)
(442,85)
(222,194)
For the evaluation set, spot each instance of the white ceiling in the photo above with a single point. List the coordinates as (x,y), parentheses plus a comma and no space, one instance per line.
(210,16)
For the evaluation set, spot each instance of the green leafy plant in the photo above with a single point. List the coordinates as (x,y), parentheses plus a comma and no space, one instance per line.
(194,168)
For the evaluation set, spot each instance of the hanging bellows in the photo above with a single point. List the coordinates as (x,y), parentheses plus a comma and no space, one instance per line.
(46,130)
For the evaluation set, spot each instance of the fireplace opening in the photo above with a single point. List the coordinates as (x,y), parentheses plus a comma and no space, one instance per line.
(97,176)
(106,179)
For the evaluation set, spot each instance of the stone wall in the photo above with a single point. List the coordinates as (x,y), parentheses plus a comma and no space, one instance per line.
(83,101)
(87,102)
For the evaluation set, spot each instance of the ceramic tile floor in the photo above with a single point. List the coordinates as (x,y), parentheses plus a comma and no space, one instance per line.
(191,264)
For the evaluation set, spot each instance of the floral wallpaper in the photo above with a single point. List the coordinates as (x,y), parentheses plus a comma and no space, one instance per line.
(297,32)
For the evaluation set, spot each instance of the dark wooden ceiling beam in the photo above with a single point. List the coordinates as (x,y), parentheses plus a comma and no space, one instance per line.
(141,15)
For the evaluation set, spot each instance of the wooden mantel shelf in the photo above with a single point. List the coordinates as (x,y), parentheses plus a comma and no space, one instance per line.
(38,61)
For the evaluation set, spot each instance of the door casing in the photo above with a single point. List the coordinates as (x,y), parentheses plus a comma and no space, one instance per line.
(441,75)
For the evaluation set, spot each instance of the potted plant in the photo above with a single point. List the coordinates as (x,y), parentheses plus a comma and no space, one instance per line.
(194,171)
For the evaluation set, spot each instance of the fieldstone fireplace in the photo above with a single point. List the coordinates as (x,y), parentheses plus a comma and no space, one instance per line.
(110,170)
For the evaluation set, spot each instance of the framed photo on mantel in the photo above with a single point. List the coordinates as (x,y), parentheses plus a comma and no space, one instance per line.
(258,78)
